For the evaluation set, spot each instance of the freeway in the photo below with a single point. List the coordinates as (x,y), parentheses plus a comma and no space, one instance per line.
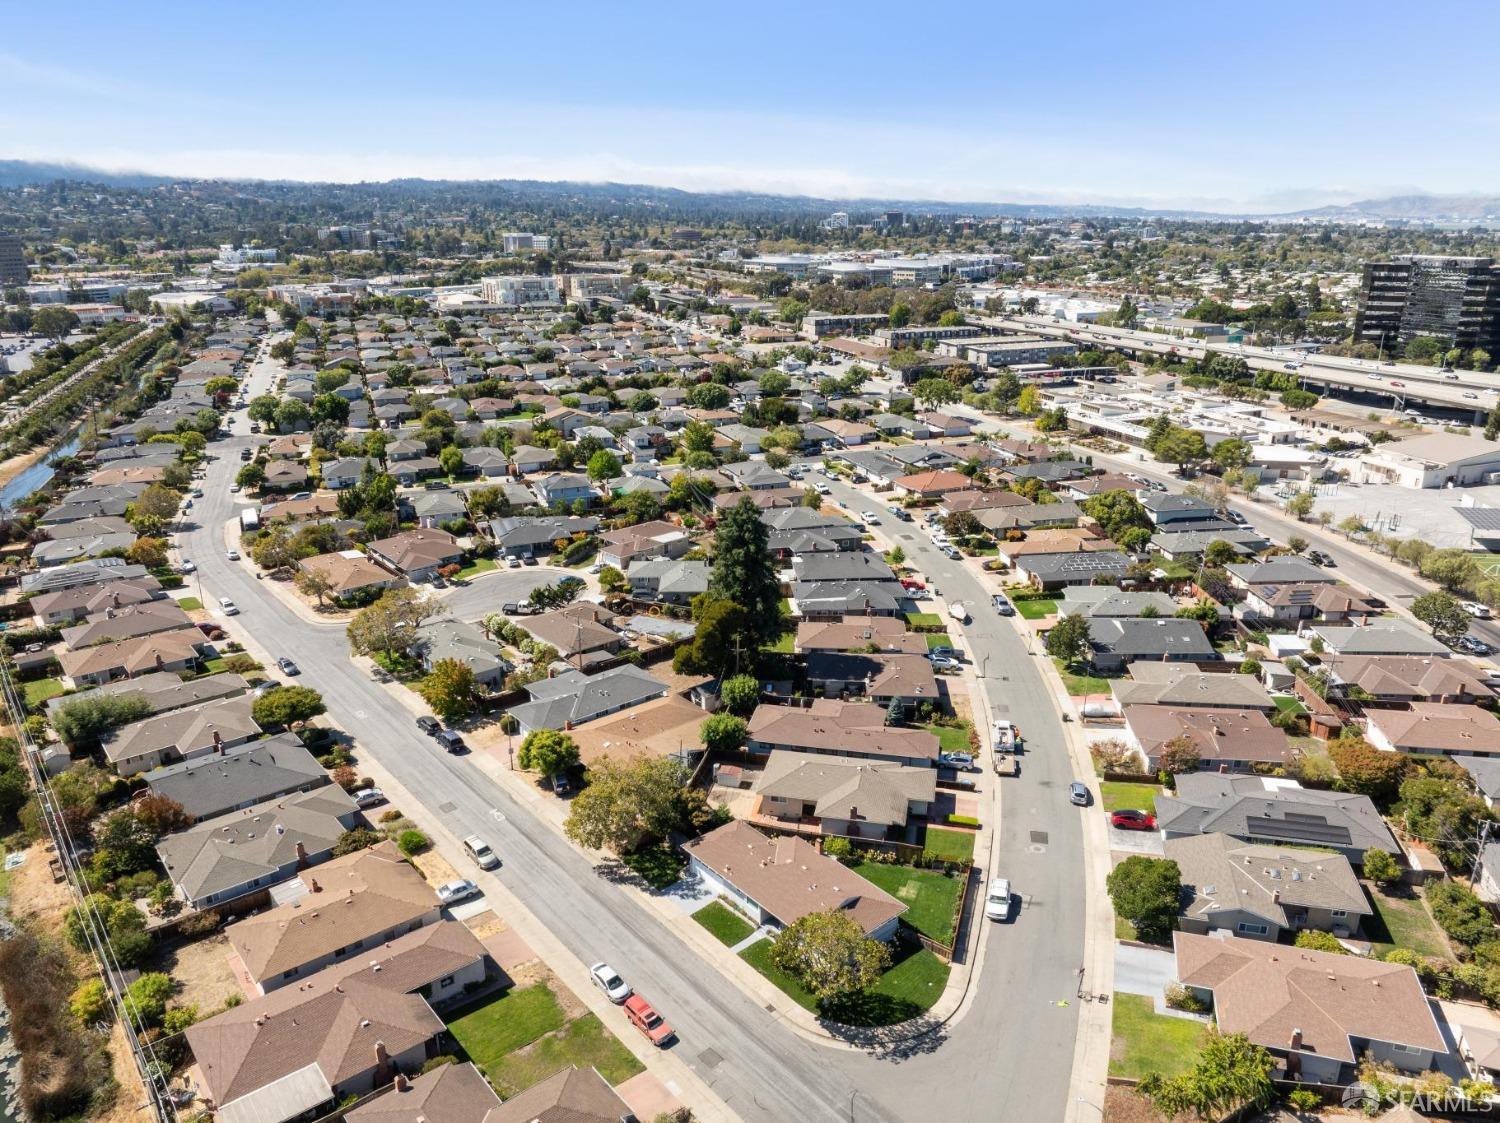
(1404,383)
(1007,1057)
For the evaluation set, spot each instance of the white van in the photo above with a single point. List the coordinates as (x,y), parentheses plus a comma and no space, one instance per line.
(479,850)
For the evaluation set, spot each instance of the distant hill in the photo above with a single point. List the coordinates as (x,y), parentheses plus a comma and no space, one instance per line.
(1413,208)
(24,173)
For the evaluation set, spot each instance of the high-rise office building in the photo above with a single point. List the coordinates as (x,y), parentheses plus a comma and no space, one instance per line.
(1455,300)
(12,262)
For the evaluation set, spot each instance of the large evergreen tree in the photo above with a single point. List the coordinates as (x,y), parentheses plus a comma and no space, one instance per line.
(745,573)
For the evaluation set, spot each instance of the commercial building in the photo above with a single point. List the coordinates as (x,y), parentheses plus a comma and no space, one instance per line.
(816,325)
(12,261)
(1455,300)
(1433,460)
(994,351)
(520,242)
(520,291)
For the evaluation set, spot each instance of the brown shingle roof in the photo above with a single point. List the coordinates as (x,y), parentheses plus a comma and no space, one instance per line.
(1220,735)
(451,1094)
(574,1095)
(851,727)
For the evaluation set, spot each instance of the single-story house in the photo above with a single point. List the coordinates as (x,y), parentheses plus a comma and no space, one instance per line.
(1395,678)
(524,536)
(193,731)
(574,698)
(668,580)
(1116,642)
(907,679)
(417,554)
(450,1093)
(1434,729)
(349,574)
(238,777)
(465,642)
(856,730)
(165,651)
(825,796)
(1232,739)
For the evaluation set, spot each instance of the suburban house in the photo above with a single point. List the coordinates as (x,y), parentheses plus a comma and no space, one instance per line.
(230,855)
(346,1030)
(932,484)
(1177,684)
(858,633)
(417,554)
(450,1093)
(349,573)
(1434,729)
(347,906)
(105,662)
(565,488)
(1316,1012)
(668,580)
(1275,811)
(1385,637)
(68,606)
(1395,678)
(1116,642)
(162,691)
(240,777)
(1307,600)
(1105,601)
(780,880)
(574,1095)
(854,799)
(655,539)
(1262,891)
(856,730)
(1076,567)
(1278,571)
(574,698)
(578,632)
(346,473)
(906,679)
(211,727)
(131,622)
(525,536)
(465,642)
(1232,739)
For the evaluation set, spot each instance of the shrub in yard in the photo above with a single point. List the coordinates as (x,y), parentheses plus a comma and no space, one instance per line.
(437,1062)
(837,847)
(1381,868)
(1460,913)
(1146,892)
(963,821)
(411,842)
(345,777)
(90,1002)
(356,839)
(390,816)
(1303,1099)
(1314,940)
(146,998)
(1180,998)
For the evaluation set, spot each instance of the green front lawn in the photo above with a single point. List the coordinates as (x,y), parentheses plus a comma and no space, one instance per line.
(923,620)
(1079,685)
(949,845)
(500,1025)
(1120,796)
(189,604)
(1285,702)
(913,983)
(1145,1041)
(728,926)
(951,738)
(784,643)
(585,1043)
(931,898)
(39,690)
(1036,609)
(1403,922)
(758,955)
(476,567)
(938,639)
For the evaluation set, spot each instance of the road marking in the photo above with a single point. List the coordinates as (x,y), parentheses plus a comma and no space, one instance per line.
(497,815)
(359,713)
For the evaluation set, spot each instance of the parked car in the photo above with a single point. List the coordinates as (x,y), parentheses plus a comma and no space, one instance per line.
(479,850)
(451,892)
(288,668)
(997,899)
(616,989)
(429,725)
(911,583)
(1318,557)
(644,1017)
(228,607)
(1003,606)
(1132,820)
(1476,610)
(450,741)
(1474,646)
(561,785)
(870,517)
(944,662)
(188,566)
(953,553)
(232,555)
(964,762)
(1078,794)
(512,562)
(370,797)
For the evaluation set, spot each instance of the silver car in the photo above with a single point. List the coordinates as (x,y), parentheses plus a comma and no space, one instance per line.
(607,979)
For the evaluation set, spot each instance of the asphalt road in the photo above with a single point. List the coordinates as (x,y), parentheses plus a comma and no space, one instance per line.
(1018,1034)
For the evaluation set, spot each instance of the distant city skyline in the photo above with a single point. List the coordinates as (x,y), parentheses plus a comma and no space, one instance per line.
(1292,107)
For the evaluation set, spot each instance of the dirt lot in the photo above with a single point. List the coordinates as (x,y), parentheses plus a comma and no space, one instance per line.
(201,970)
(130,1101)
(33,893)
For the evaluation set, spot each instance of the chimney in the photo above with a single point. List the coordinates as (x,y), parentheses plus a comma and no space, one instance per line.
(400,1084)
(1223,768)
(1276,896)
(382,1063)
(218,742)
(160,666)
(1296,1041)
(302,862)
(313,886)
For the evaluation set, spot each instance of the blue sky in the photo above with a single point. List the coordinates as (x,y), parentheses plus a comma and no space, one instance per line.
(1260,107)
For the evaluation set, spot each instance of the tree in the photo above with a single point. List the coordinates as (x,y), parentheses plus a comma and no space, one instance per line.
(83,720)
(723,732)
(1179,755)
(1381,868)
(829,953)
(549,752)
(160,814)
(1116,512)
(708,395)
(314,583)
(449,688)
(389,625)
(1148,893)
(1442,613)
(698,436)
(123,844)
(451,460)
(1314,939)
(149,552)
(627,805)
(963,524)
(291,413)
(1029,401)
(1069,639)
(329,407)
(1451,568)
(283,350)
(603,465)
(1180,446)
(1460,913)
(744,571)
(157,501)
(53,320)
(1366,770)
(900,315)
(355,840)
(263,408)
(1300,505)
(1219,554)
(718,640)
(1230,1073)
(1231,453)
(934,392)
(740,694)
(286,706)
(251,475)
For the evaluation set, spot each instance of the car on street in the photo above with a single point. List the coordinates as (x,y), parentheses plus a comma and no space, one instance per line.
(1078,794)
(461,889)
(228,607)
(512,562)
(1129,819)
(450,741)
(196,493)
(1474,646)
(1318,557)
(1399,385)
(188,566)
(597,567)
(370,797)
(870,517)
(911,583)
(528,561)
(1003,606)
(1476,610)
(964,762)
(824,489)
(952,553)
(997,899)
(232,555)
(429,725)
(607,979)
(1470,394)
(644,1017)
(288,668)
(479,850)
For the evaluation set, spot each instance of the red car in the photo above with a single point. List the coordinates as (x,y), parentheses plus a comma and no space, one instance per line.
(911,583)
(1133,821)
(645,1018)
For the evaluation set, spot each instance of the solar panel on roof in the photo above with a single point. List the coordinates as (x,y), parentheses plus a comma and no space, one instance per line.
(1300,829)
(1481,518)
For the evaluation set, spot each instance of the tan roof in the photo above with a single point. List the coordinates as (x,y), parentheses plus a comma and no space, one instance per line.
(1406,676)
(849,727)
(937,482)
(1056,540)
(187,731)
(973,499)
(1223,874)
(872,791)
(128,622)
(788,878)
(450,1094)
(1433,727)
(1266,991)
(318,503)
(348,899)
(886,632)
(334,1018)
(133,656)
(574,1095)
(1220,735)
(660,727)
(571,630)
(1176,684)
(417,549)
(347,571)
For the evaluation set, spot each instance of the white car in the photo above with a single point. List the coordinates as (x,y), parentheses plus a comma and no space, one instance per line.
(870,517)
(597,567)
(451,892)
(512,562)
(1476,610)
(228,607)
(944,663)
(188,566)
(997,899)
(231,555)
(607,979)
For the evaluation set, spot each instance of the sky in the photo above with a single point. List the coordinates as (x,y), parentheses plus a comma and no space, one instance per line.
(1257,108)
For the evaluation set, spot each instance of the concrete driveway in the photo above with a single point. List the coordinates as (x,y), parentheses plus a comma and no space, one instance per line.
(487,592)
(1144,970)
(1135,842)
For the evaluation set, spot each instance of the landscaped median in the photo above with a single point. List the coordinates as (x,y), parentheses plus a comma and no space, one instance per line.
(909,987)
